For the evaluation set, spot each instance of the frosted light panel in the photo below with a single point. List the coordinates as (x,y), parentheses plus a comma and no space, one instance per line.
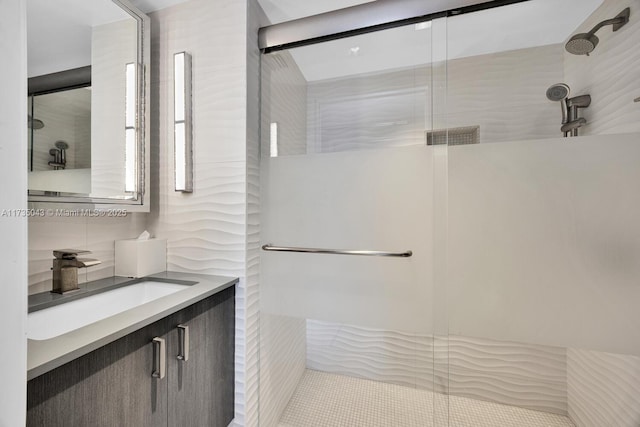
(130,100)
(274,140)
(182,122)
(130,128)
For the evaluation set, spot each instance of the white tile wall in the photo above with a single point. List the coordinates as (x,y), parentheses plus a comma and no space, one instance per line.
(518,374)
(94,234)
(214,230)
(603,389)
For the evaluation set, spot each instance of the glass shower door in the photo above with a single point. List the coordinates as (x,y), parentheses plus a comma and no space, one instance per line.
(348,339)
(543,243)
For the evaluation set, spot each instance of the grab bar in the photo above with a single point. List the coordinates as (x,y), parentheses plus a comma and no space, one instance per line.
(270,247)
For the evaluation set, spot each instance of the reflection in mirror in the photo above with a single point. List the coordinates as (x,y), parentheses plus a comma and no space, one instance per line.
(86,128)
(61,140)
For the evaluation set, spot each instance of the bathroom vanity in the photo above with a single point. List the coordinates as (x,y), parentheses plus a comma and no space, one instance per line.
(166,362)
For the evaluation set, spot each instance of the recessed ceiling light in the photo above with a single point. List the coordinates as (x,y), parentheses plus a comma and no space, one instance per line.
(423,25)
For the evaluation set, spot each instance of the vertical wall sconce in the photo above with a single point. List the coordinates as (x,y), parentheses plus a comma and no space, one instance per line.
(183,157)
(130,128)
(273,139)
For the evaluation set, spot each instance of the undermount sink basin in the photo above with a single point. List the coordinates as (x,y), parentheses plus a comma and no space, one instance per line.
(60,319)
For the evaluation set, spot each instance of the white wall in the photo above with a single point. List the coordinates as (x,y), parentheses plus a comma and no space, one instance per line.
(13,229)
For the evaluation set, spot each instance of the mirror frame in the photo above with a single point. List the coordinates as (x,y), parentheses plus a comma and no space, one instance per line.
(139,202)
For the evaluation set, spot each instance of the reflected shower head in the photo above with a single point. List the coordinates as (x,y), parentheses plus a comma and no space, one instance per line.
(560,92)
(582,44)
(61,145)
(585,43)
(34,124)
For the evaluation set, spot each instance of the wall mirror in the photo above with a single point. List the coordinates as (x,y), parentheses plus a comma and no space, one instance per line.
(88,65)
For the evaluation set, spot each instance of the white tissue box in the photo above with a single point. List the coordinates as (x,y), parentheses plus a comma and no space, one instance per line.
(139,258)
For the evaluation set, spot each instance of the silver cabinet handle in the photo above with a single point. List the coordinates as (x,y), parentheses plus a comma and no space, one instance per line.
(159,358)
(183,335)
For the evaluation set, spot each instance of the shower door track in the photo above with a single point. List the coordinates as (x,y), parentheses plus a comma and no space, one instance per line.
(364,18)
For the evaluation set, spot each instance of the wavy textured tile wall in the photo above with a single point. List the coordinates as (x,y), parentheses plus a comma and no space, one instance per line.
(255,19)
(503,93)
(525,375)
(213,230)
(518,374)
(603,389)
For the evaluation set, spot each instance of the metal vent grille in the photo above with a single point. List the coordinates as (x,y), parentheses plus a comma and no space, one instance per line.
(454,136)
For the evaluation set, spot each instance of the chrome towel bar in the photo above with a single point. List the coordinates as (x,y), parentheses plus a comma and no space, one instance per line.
(270,247)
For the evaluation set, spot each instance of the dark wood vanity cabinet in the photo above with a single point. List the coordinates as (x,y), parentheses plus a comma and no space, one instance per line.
(113,385)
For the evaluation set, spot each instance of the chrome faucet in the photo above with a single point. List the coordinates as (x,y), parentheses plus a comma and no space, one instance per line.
(65,269)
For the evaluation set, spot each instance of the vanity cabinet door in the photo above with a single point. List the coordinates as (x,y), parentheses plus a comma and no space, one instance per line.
(201,389)
(111,386)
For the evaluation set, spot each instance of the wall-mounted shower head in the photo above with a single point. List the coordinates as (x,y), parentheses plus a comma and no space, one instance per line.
(585,43)
(61,145)
(560,92)
(34,124)
(582,44)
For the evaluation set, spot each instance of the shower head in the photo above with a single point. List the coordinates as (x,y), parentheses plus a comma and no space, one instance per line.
(34,123)
(560,92)
(61,145)
(582,44)
(585,43)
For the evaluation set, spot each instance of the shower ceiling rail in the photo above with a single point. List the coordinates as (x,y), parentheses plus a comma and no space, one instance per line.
(270,247)
(364,18)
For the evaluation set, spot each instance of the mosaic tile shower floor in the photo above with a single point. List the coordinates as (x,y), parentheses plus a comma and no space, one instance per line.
(329,400)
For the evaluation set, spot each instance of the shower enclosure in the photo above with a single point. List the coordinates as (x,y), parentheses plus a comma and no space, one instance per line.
(435,252)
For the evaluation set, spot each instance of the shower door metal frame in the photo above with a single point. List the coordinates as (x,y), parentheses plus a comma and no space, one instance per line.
(364,18)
